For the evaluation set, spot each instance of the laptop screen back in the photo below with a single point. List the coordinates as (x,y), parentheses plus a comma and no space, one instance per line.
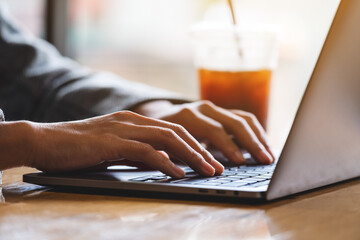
(323,146)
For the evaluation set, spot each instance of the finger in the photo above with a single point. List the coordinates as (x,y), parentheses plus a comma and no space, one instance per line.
(183,134)
(191,141)
(242,131)
(145,153)
(212,130)
(167,140)
(256,127)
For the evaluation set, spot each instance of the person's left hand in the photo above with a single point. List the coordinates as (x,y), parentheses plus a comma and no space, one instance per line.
(206,121)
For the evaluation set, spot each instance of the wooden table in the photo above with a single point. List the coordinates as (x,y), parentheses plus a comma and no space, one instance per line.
(33,212)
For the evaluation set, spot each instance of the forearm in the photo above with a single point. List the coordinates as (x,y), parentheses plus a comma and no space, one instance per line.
(15,144)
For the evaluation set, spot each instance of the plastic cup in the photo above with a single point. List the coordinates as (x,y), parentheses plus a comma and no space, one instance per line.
(235,66)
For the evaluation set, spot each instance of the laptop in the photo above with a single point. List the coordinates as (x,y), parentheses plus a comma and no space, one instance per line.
(322,148)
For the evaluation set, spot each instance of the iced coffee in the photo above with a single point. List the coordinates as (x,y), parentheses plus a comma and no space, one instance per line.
(231,80)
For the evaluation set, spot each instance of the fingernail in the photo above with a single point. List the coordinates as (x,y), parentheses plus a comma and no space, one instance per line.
(219,168)
(271,153)
(178,172)
(239,157)
(207,168)
(264,157)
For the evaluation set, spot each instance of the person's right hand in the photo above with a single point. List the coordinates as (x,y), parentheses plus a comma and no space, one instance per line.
(225,129)
(122,135)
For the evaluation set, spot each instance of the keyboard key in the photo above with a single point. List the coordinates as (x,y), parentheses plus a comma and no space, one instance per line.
(230,172)
(218,181)
(158,177)
(140,179)
(191,175)
(260,184)
(267,174)
(248,180)
(227,179)
(188,169)
(192,180)
(246,175)
(259,178)
(256,172)
(235,178)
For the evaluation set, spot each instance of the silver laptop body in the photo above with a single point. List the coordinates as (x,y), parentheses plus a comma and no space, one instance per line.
(323,146)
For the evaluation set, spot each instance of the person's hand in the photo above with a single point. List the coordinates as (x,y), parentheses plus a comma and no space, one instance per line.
(222,127)
(122,135)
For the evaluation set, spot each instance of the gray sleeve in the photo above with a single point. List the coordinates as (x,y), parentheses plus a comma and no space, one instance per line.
(37,83)
(2,119)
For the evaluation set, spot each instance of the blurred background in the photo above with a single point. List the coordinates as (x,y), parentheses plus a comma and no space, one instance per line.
(148,40)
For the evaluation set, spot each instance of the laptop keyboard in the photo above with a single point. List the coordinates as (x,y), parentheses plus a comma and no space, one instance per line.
(239,176)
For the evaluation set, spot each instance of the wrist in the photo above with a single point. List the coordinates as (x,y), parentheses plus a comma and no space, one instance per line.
(16,144)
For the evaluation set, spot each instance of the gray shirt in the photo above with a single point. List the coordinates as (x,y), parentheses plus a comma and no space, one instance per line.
(2,118)
(38,84)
